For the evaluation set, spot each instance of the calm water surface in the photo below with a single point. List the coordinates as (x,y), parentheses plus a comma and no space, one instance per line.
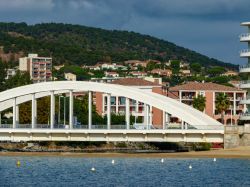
(61,171)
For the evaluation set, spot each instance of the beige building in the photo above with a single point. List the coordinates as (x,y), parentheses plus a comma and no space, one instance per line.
(70,76)
(39,68)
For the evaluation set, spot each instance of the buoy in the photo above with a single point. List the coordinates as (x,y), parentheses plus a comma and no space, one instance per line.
(214,159)
(93,169)
(18,163)
(190,166)
(113,162)
(162,160)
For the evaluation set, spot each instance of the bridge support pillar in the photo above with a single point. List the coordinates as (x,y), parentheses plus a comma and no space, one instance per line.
(52,110)
(33,112)
(90,110)
(150,115)
(17,114)
(163,120)
(146,116)
(127,113)
(14,113)
(108,112)
(71,112)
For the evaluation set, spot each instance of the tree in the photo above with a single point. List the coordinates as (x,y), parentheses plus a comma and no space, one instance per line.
(195,68)
(20,79)
(2,75)
(222,103)
(175,66)
(215,71)
(199,103)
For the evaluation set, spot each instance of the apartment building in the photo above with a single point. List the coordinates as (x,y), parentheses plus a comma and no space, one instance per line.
(118,103)
(39,68)
(187,92)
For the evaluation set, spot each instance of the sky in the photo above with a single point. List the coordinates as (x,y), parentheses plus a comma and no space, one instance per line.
(211,27)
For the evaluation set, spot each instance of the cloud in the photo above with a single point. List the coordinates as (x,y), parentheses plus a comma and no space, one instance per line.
(25,5)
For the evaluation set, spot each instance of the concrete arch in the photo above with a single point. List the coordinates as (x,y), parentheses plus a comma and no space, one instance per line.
(171,106)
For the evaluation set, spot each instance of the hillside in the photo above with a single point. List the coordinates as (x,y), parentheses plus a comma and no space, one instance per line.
(75,44)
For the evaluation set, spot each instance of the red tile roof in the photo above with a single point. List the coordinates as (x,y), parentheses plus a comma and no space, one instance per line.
(204,86)
(134,82)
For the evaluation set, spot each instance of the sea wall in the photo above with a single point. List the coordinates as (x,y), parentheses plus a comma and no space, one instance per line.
(236,136)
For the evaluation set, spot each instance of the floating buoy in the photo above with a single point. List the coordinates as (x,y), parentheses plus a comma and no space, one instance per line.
(18,163)
(162,160)
(190,166)
(113,161)
(214,159)
(93,169)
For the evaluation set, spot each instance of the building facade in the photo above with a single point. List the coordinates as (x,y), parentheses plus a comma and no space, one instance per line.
(246,69)
(118,103)
(187,92)
(70,76)
(39,68)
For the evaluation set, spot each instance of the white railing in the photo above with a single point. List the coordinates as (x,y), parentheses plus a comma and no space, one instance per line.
(244,51)
(245,82)
(244,66)
(245,114)
(6,126)
(244,35)
(170,126)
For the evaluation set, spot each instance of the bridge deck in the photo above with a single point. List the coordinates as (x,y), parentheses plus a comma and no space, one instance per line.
(114,135)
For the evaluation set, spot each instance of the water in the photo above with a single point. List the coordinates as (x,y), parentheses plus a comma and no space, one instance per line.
(66,171)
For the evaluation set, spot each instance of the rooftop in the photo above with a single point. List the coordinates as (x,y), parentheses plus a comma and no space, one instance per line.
(135,82)
(204,86)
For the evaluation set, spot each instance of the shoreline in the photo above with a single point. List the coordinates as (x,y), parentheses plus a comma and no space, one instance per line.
(240,152)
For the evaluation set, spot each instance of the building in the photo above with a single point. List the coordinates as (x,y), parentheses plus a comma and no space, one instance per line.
(111,74)
(70,76)
(10,73)
(185,72)
(138,74)
(39,68)
(162,72)
(246,69)
(187,92)
(58,67)
(118,105)
(230,73)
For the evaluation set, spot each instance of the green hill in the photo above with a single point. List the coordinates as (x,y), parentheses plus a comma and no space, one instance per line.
(75,44)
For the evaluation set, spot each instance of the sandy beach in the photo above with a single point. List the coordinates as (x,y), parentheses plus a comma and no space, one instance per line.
(240,152)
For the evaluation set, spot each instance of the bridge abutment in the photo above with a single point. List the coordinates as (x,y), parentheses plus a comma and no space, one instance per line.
(236,136)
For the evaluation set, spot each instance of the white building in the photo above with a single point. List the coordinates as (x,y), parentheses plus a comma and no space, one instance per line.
(10,73)
(246,69)
(39,68)
(70,76)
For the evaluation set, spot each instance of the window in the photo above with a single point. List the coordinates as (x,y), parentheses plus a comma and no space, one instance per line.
(202,93)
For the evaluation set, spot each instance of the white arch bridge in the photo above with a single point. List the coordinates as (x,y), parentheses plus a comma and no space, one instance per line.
(194,126)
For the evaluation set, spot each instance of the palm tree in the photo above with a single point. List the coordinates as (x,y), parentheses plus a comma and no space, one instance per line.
(199,103)
(222,103)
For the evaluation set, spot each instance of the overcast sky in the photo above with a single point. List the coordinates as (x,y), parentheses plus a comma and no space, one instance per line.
(210,27)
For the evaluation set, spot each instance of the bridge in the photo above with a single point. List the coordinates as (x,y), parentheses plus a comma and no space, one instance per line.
(192,125)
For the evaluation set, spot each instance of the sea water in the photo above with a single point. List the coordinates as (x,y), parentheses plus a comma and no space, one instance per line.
(71,171)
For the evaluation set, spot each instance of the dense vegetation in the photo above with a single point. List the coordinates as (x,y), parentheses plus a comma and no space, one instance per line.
(78,45)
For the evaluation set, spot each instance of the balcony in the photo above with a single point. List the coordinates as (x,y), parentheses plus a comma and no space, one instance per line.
(245,116)
(244,68)
(245,53)
(245,37)
(245,84)
(245,100)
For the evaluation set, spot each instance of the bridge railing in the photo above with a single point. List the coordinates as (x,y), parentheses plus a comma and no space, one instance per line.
(170,126)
